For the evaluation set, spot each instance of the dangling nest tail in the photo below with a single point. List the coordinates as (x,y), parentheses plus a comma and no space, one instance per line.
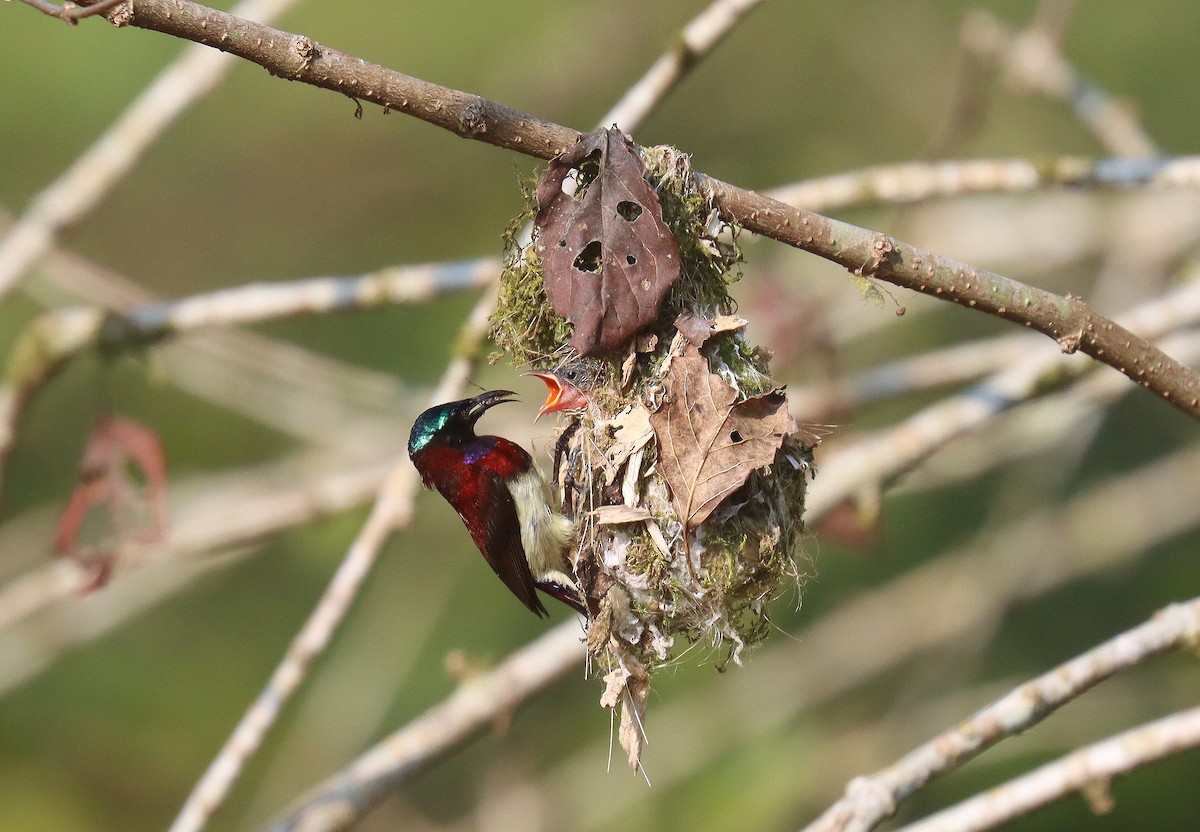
(649,580)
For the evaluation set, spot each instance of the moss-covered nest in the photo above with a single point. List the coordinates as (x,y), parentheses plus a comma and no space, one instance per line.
(647,599)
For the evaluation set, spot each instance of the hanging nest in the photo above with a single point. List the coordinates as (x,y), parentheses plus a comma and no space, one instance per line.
(656,580)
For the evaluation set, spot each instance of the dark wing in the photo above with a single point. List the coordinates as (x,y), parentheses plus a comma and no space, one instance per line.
(499,539)
(471,478)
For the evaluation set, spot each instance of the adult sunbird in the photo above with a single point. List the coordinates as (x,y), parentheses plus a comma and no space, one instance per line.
(501,497)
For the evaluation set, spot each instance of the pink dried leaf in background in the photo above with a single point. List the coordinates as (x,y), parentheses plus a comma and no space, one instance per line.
(608,257)
(114,446)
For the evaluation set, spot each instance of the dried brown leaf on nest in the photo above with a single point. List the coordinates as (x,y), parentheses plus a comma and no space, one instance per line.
(707,444)
(618,515)
(608,257)
(698,329)
(631,432)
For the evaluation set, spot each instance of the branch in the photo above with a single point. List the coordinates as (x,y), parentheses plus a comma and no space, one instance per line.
(258,302)
(56,337)
(296,391)
(870,799)
(476,705)
(1086,770)
(1068,320)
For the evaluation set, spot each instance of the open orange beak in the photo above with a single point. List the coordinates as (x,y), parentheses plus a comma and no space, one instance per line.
(559,396)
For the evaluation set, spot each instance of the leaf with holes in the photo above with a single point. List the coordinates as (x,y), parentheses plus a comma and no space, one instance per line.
(608,257)
(707,444)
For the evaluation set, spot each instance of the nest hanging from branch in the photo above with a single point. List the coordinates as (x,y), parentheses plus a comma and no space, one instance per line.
(684,474)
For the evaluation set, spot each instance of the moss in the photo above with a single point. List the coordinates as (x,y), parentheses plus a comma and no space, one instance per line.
(525,327)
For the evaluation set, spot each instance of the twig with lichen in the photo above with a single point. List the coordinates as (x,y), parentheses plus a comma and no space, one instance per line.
(58,336)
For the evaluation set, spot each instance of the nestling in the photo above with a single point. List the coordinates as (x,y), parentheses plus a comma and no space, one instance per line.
(501,497)
(570,386)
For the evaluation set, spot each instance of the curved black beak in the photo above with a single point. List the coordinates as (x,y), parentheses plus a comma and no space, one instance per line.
(481,403)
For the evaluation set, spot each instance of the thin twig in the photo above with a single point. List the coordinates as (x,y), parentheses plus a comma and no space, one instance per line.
(1033,62)
(81,186)
(296,391)
(885,457)
(697,38)
(70,12)
(869,800)
(910,182)
(1083,771)
(968,361)
(60,335)
(872,255)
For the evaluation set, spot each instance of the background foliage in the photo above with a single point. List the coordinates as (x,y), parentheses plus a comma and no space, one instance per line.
(107,720)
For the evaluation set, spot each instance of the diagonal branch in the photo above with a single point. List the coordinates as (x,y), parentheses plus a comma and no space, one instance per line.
(869,800)
(392,510)
(1068,320)
(696,39)
(342,799)
(1087,770)
(81,186)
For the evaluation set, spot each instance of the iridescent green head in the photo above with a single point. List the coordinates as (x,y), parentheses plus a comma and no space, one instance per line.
(453,420)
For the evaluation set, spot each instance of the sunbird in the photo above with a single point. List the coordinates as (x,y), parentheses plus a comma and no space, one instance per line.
(501,497)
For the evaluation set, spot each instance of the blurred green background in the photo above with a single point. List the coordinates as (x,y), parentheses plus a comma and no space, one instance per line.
(266,180)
